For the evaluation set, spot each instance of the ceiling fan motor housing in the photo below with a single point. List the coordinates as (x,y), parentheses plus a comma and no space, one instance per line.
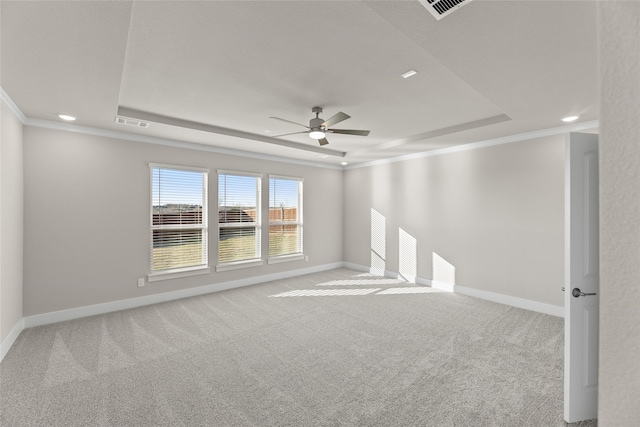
(316,123)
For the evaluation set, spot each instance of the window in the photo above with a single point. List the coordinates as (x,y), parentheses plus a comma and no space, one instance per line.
(179,235)
(238,217)
(285,216)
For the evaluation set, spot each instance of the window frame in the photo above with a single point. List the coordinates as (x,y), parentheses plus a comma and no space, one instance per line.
(257,224)
(299,223)
(202,268)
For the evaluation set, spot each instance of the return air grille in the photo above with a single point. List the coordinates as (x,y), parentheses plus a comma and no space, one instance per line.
(441,8)
(131,122)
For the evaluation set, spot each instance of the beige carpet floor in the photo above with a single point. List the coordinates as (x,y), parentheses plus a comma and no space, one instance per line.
(337,348)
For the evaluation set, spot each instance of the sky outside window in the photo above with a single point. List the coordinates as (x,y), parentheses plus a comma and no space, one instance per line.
(237,190)
(283,193)
(176,187)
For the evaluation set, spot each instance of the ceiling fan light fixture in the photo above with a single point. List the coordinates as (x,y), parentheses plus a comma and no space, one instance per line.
(316,134)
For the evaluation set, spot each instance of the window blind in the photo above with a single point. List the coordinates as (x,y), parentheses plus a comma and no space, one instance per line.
(179,234)
(285,216)
(238,217)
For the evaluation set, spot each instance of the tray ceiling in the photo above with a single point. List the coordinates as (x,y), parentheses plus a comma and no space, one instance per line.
(213,72)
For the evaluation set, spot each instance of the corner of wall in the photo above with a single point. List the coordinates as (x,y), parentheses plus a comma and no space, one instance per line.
(11,338)
(11,222)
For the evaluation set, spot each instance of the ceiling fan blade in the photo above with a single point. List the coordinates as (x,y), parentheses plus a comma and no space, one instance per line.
(286,134)
(289,121)
(336,118)
(323,141)
(350,131)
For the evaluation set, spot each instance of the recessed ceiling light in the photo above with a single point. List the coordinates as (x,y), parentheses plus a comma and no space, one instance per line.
(571,119)
(344,163)
(409,74)
(66,117)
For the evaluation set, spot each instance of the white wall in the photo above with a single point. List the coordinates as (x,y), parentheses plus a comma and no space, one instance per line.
(87,218)
(619,371)
(11,225)
(494,213)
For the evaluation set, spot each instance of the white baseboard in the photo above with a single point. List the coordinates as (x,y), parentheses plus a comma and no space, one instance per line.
(108,307)
(526,304)
(443,286)
(424,282)
(387,273)
(92,310)
(11,338)
(356,267)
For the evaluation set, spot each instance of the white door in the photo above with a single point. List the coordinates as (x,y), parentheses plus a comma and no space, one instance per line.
(582,278)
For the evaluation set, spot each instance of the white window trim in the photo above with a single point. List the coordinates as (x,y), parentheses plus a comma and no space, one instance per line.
(175,273)
(237,265)
(179,167)
(245,263)
(292,178)
(298,256)
(238,173)
(287,258)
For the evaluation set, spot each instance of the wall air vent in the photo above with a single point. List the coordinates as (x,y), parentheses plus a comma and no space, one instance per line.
(441,8)
(131,122)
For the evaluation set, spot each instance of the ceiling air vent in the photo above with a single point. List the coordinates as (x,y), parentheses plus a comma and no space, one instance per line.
(441,8)
(131,122)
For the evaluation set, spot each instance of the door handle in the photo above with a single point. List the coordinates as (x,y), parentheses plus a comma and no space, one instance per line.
(576,292)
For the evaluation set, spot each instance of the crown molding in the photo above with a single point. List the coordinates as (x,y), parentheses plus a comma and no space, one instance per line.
(436,133)
(576,127)
(187,124)
(8,102)
(169,142)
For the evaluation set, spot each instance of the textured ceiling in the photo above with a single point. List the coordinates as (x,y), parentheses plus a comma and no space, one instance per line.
(213,72)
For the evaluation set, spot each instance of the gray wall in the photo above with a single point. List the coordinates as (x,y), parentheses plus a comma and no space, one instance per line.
(87,217)
(495,213)
(619,370)
(11,222)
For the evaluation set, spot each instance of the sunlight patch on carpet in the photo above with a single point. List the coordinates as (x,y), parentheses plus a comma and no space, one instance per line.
(324,292)
(411,290)
(360,282)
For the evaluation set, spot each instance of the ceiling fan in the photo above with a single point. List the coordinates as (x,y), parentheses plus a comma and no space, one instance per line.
(318,128)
